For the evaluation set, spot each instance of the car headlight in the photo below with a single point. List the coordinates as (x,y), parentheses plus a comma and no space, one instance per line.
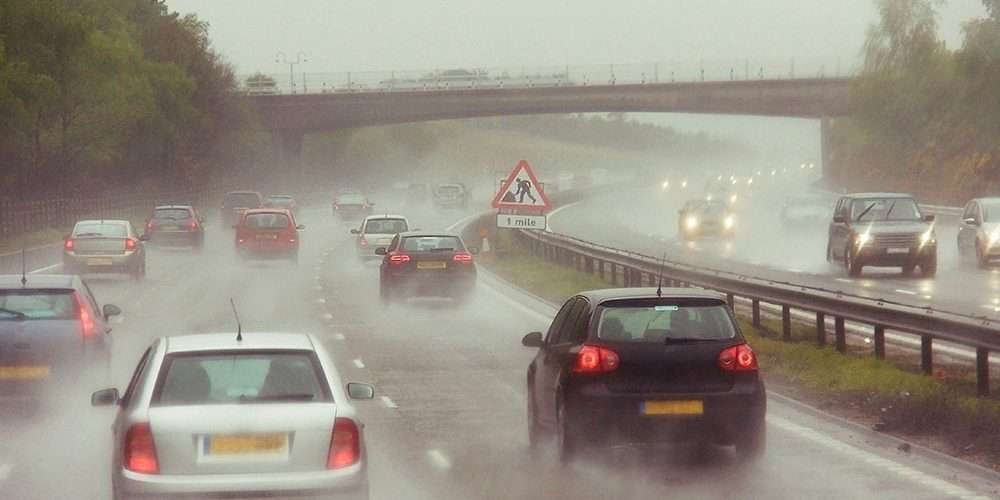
(928,237)
(728,222)
(863,239)
(993,238)
(665,186)
(732,199)
(691,223)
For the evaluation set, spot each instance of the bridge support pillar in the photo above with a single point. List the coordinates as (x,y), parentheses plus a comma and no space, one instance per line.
(825,152)
(289,144)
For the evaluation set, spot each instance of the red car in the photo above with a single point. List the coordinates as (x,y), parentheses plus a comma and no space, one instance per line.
(268,232)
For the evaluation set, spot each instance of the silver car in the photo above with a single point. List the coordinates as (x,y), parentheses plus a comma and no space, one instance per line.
(215,415)
(105,246)
(979,231)
(377,231)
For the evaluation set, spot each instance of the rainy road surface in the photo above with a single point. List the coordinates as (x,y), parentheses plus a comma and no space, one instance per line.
(448,420)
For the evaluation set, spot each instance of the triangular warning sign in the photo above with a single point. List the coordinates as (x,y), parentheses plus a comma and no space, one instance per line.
(521,191)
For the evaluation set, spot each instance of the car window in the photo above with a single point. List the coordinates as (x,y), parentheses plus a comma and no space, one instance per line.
(991,212)
(171,214)
(655,321)
(241,377)
(385,226)
(267,221)
(875,209)
(99,229)
(350,199)
(18,304)
(241,200)
(574,330)
(432,244)
(552,336)
(137,375)
(970,210)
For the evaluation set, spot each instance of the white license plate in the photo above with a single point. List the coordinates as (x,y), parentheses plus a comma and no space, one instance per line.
(267,236)
(898,250)
(100,261)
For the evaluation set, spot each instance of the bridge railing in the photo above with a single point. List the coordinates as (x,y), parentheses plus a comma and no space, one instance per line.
(309,82)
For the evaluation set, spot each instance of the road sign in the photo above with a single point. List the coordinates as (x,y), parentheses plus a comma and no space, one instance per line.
(522,191)
(514,221)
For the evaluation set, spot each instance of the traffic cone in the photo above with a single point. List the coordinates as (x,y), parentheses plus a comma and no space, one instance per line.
(486,245)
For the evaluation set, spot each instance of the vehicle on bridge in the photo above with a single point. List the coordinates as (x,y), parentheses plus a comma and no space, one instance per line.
(454,195)
(52,333)
(647,366)
(285,201)
(352,206)
(176,224)
(268,233)
(883,230)
(235,202)
(377,231)
(979,232)
(105,246)
(426,264)
(701,217)
(221,415)
(805,210)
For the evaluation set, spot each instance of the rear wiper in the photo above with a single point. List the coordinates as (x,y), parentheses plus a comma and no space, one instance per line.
(18,315)
(442,250)
(685,340)
(296,396)
(88,234)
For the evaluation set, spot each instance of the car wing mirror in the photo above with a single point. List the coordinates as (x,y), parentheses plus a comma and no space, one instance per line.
(839,219)
(104,397)
(110,310)
(970,221)
(929,218)
(355,231)
(380,251)
(533,339)
(300,227)
(360,391)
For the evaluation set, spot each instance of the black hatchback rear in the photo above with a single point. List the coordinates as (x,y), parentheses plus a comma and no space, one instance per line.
(627,366)
(426,264)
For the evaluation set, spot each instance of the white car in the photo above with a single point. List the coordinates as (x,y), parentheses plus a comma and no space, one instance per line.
(377,231)
(264,415)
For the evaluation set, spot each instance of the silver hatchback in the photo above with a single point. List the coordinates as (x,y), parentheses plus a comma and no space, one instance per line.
(261,416)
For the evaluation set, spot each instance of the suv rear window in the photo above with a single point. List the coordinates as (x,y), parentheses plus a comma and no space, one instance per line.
(172,213)
(657,320)
(432,244)
(99,229)
(37,304)
(267,221)
(385,226)
(241,377)
(241,200)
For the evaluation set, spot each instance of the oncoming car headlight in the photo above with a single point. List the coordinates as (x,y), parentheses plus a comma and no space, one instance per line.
(729,222)
(691,222)
(863,239)
(732,198)
(928,237)
(993,238)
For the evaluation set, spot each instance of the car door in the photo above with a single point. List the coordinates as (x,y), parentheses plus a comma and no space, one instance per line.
(547,365)
(968,227)
(839,230)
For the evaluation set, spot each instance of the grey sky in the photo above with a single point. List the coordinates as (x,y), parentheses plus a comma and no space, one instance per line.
(359,35)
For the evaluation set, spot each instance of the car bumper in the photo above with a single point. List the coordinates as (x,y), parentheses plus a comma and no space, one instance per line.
(175,237)
(448,285)
(349,483)
(267,252)
(882,256)
(101,263)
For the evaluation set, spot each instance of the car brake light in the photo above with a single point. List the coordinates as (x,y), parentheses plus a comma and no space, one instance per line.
(594,359)
(399,258)
(130,244)
(336,207)
(139,453)
(69,244)
(463,258)
(193,225)
(345,445)
(738,358)
(150,226)
(86,318)
(363,241)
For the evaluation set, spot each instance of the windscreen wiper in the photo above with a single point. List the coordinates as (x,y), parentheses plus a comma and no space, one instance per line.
(442,250)
(862,214)
(295,396)
(88,234)
(18,315)
(685,340)
(887,212)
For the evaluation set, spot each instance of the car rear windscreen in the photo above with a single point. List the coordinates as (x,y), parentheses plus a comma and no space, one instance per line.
(101,230)
(385,226)
(432,244)
(242,200)
(241,377)
(267,221)
(350,199)
(656,321)
(37,304)
(172,213)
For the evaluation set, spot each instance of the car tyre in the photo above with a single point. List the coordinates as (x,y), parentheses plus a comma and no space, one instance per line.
(751,446)
(566,442)
(908,269)
(928,268)
(981,259)
(854,267)
(534,430)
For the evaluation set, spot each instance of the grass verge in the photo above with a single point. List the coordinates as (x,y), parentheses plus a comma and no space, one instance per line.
(938,412)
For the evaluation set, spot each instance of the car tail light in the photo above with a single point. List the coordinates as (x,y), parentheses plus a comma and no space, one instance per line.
(363,241)
(69,243)
(193,225)
(399,258)
(464,258)
(345,445)
(86,317)
(150,226)
(130,244)
(336,207)
(594,359)
(738,358)
(139,452)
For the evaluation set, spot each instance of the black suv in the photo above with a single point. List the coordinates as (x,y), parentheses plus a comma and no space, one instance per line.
(636,365)
(883,230)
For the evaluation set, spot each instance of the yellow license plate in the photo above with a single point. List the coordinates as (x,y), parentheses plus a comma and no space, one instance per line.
(246,444)
(432,265)
(23,372)
(99,261)
(673,408)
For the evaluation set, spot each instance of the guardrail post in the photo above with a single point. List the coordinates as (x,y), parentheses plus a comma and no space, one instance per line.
(755,314)
(820,329)
(879,342)
(926,354)
(786,323)
(731,300)
(982,372)
(841,334)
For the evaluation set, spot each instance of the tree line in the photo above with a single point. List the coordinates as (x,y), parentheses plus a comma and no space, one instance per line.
(97,95)
(925,117)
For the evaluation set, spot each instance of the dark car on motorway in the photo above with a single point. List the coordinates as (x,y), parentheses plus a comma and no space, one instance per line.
(643,366)
(882,230)
(281,201)
(431,264)
(352,206)
(105,246)
(979,232)
(176,224)
(52,333)
(805,210)
(263,415)
(268,233)
(703,217)
(235,202)
(451,196)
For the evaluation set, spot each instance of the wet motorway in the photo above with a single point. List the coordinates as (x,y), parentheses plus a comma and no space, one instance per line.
(448,420)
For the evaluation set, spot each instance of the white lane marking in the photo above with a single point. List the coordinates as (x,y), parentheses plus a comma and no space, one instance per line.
(854,452)
(439,459)
(793,270)
(5,470)
(544,318)
(359,363)
(905,292)
(43,269)
(318,288)
(389,403)
(556,211)
(339,336)
(843,280)
(321,300)
(327,316)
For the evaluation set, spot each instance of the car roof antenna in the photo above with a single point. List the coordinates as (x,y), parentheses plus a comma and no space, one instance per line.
(659,281)
(239,327)
(24,267)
